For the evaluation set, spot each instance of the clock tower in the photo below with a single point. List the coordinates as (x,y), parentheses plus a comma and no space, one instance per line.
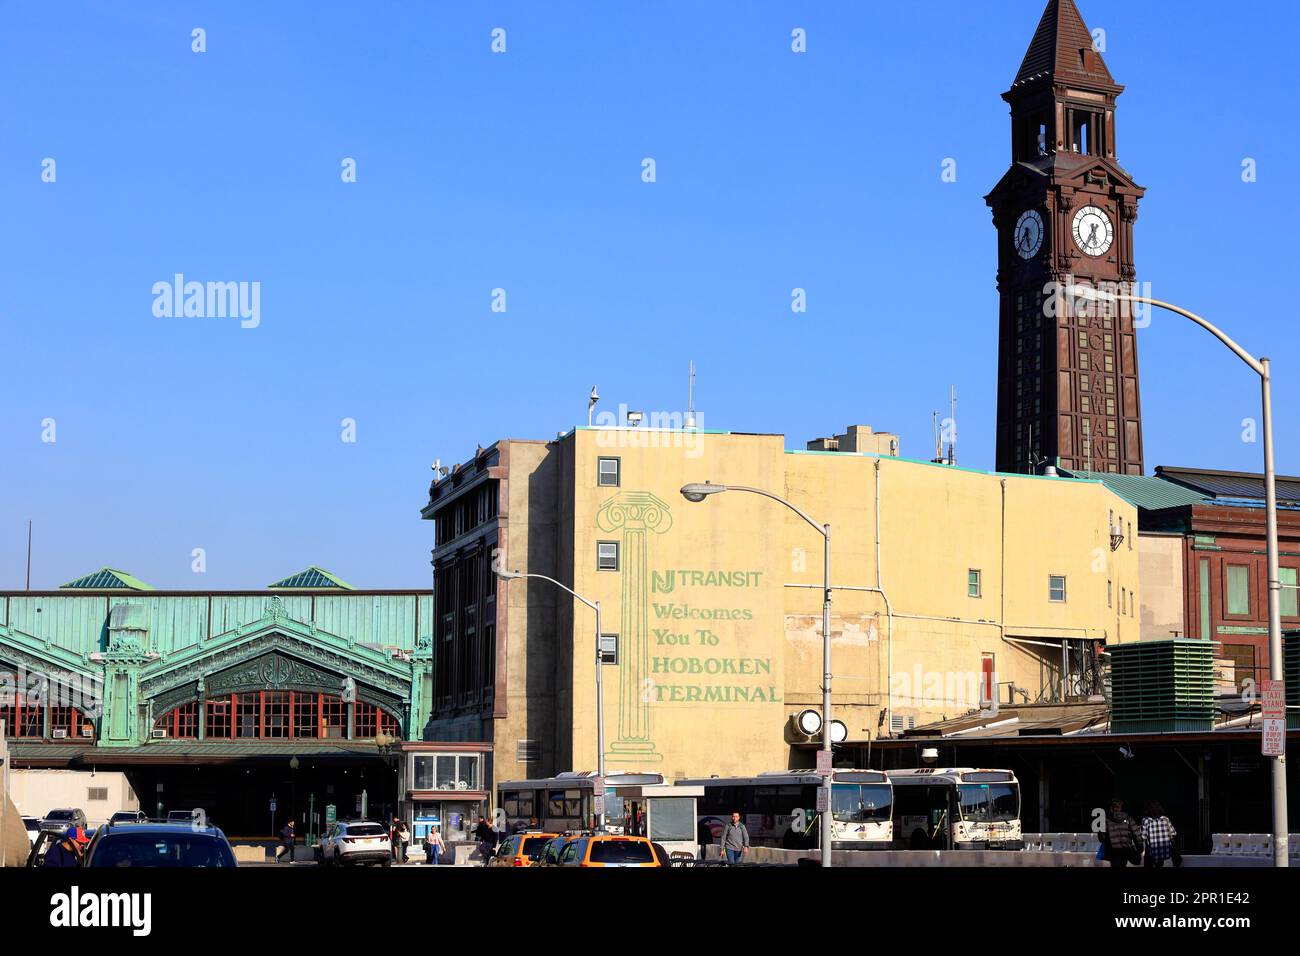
(1064,212)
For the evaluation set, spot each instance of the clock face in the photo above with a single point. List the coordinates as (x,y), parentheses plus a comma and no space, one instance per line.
(1029,234)
(1093,232)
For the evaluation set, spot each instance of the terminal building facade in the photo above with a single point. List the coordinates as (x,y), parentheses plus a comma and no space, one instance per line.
(302,699)
(952,588)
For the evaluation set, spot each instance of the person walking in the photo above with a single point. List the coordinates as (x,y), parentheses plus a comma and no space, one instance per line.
(286,842)
(433,846)
(487,839)
(1158,834)
(395,840)
(1122,837)
(735,840)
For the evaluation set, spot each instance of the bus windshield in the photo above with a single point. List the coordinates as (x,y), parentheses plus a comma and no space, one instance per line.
(989,802)
(860,803)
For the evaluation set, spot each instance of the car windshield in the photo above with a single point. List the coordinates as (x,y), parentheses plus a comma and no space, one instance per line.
(860,803)
(984,803)
(33,824)
(124,815)
(365,830)
(161,849)
(621,851)
(60,815)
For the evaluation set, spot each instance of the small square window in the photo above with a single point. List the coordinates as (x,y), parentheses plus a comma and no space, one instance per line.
(607,472)
(607,555)
(973,582)
(609,648)
(1056,588)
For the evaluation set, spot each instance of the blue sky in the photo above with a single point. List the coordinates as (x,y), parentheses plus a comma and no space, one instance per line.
(522,171)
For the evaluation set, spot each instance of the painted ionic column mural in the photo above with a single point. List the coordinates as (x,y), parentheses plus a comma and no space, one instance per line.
(638,516)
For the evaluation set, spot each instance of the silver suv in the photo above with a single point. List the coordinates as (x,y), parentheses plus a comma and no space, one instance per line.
(355,841)
(60,820)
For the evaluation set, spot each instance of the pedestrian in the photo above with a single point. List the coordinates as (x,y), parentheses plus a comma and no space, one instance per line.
(395,840)
(1158,834)
(487,839)
(1121,838)
(69,850)
(703,836)
(433,845)
(735,840)
(286,842)
(404,837)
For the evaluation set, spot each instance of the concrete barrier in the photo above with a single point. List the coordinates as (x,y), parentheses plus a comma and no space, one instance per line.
(249,853)
(901,858)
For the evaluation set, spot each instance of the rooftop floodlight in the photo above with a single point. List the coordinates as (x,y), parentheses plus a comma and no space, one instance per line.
(698,491)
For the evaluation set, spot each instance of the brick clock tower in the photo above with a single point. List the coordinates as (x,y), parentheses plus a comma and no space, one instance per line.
(1064,212)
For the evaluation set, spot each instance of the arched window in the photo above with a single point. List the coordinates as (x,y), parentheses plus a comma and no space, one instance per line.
(24,715)
(277,715)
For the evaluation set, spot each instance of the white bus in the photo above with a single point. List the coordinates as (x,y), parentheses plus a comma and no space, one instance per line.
(956,808)
(780,808)
(566,801)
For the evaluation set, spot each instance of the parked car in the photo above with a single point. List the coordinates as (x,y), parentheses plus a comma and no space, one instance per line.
(522,849)
(354,842)
(129,816)
(60,820)
(159,845)
(33,825)
(553,847)
(606,850)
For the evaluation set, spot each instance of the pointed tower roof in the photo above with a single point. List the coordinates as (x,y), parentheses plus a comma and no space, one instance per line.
(312,578)
(106,579)
(1062,49)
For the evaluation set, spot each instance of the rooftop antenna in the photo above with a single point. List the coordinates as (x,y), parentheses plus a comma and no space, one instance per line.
(690,396)
(591,403)
(938,445)
(952,424)
(29,554)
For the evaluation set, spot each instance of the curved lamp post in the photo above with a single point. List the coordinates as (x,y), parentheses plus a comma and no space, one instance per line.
(600,674)
(698,492)
(1260,366)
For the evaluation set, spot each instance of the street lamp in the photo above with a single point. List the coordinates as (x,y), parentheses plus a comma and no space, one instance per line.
(600,676)
(1260,366)
(698,491)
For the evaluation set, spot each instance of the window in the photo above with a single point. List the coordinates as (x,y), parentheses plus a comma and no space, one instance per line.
(973,583)
(1123,600)
(96,793)
(609,648)
(1130,535)
(1083,360)
(1056,588)
(607,472)
(1238,576)
(1110,593)
(606,555)
(1085,404)
(1083,381)
(1289,601)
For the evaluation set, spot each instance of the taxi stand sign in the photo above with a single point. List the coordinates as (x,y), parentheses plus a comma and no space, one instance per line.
(1273,714)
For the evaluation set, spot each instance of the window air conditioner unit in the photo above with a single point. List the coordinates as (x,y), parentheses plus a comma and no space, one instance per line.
(158,732)
(59,733)
(88,731)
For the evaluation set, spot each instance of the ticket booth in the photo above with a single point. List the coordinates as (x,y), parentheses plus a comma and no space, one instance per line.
(666,814)
(443,785)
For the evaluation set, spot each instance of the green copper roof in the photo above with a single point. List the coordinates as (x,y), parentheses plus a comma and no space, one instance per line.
(1143,491)
(313,577)
(107,579)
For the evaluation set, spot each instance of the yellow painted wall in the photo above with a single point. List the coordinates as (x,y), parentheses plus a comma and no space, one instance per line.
(715,685)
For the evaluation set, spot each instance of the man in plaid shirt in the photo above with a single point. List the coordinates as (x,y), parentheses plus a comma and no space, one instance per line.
(1158,835)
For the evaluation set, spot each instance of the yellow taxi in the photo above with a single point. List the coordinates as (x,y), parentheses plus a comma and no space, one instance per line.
(521,849)
(608,850)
